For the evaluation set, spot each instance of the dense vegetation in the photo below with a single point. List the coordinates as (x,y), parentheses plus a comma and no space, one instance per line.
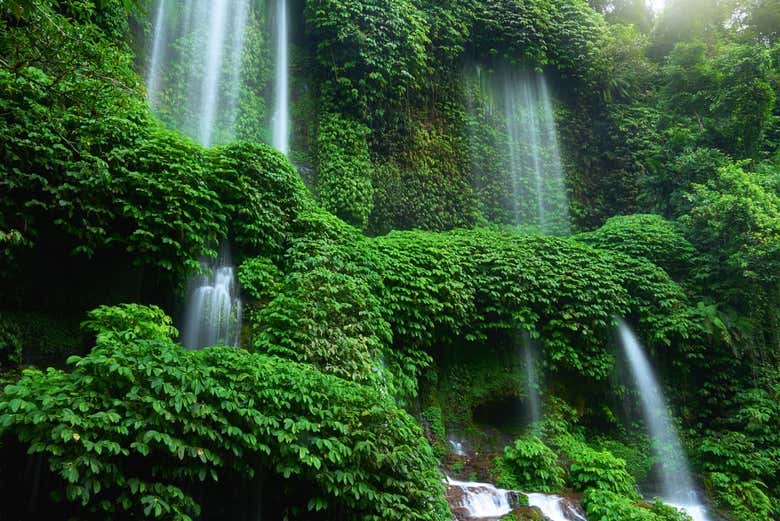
(387,296)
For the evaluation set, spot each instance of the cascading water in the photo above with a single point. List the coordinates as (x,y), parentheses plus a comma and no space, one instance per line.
(485,501)
(213,309)
(532,151)
(281,120)
(676,482)
(481,500)
(195,65)
(554,508)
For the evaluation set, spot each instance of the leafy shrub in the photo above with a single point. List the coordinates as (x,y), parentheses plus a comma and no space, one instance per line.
(344,169)
(666,512)
(531,466)
(735,222)
(259,278)
(601,470)
(745,500)
(10,344)
(370,53)
(140,418)
(262,195)
(636,455)
(645,236)
(129,322)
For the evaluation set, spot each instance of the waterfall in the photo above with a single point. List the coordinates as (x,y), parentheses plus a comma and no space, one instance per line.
(153,75)
(531,126)
(535,163)
(281,121)
(530,147)
(198,49)
(532,381)
(213,309)
(240,17)
(194,71)
(214,51)
(676,482)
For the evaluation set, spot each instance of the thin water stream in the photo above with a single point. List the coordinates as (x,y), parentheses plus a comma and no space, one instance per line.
(676,482)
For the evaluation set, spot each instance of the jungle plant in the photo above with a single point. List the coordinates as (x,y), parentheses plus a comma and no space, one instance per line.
(529,465)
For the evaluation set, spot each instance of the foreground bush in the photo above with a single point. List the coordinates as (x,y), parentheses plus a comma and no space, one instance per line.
(139,418)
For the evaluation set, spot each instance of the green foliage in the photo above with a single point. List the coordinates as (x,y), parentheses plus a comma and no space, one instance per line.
(531,466)
(468,283)
(603,505)
(669,188)
(745,500)
(259,278)
(344,169)
(592,469)
(735,222)
(432,415)
(139,417)
(129,322)
(262,195)
(647,236)
(636,455)
(565,34)
(743,457)
(328,312)
(10,344)
(424,187)
(723,99)
(370,53)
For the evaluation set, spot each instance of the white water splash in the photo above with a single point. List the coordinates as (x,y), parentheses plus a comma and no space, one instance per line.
(485,501)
